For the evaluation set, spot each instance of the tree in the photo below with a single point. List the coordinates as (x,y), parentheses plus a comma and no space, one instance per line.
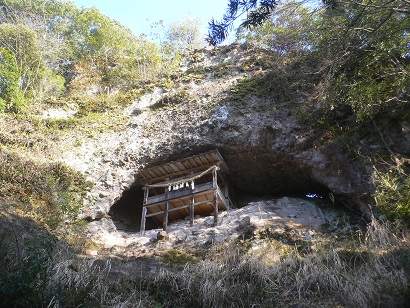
(287,32)
(185,35)
(110,56)
(22,42)
(366,47)
(10,96)
(56,44)
(48,45)
(257,13)
(362,47)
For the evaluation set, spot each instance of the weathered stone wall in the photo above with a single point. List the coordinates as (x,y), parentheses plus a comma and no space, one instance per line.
(267,146)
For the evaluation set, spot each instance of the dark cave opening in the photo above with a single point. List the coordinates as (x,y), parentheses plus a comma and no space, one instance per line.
(127,211)
(254,183)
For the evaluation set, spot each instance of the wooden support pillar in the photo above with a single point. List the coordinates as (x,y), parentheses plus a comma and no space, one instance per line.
(165,220)
(144,210)
(215,201)
(226,195)
(191,206)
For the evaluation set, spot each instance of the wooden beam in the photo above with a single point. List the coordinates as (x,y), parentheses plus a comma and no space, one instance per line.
(144,211)
(179,208)
(179,173)
(191,205)
(215,201)
(143,218)
(223,199)
(180,193)
(169,211)
(165,220)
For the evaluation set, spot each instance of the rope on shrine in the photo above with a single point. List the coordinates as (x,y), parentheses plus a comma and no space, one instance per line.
(183,180)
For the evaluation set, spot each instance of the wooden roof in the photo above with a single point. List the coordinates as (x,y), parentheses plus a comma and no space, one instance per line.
(183,167)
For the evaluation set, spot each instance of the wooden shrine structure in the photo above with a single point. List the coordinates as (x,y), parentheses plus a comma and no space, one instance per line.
(196,185)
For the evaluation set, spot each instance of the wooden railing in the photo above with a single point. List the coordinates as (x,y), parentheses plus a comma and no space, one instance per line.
(170,196)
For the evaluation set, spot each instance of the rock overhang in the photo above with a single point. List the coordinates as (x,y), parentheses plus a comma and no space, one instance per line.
(269,150)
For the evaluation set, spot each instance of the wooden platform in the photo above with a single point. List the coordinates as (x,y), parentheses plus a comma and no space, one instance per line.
(185,188)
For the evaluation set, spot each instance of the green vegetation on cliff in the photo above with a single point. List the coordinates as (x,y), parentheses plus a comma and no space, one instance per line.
(349,65)
(343,68)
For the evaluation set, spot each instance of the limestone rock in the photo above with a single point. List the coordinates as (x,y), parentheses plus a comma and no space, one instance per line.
(265,144)
(162,236)
(101,226)
(244,224)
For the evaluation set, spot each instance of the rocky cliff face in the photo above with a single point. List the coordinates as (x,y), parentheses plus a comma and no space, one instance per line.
(268,146)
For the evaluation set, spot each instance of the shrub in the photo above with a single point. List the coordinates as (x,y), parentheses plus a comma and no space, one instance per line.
(172,99)
(11,98)
(392,194)
(54,192)
(284,84)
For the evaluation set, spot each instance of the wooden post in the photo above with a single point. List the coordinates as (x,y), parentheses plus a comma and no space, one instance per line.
(191,206)
(165,220)
(227,196)
(215,201)
(144,210)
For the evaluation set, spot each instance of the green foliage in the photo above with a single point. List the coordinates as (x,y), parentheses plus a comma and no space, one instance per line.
(257,14)
(178,257)
(286,33)
(22,42)
(362,48)
(367,48)
(22,262)
(263,60)
(141,61)
(54,125)
(195,74)
(34,78)
(185,35)
(60,47)
(54,191)
(172,100)
(124,99)
(222,70)
(393,194)
(282,84)
(51,86)
(37,270)
(11,98)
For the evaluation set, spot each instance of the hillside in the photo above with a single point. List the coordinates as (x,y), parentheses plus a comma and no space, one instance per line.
(269,147)
(321,212)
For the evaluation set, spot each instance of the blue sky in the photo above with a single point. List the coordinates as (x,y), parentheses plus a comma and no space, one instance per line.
(134,13)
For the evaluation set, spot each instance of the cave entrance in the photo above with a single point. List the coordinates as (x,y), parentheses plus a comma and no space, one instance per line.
(254,176)
(126,212)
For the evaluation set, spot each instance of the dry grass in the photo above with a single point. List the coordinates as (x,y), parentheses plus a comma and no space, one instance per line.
(374,273)
(370,270)
(37,270)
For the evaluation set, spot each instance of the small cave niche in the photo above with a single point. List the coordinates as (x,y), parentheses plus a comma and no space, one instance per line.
(252,177)
(127,211)
(273,175)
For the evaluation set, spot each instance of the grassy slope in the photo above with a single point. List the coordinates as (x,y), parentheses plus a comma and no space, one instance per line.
(368,269)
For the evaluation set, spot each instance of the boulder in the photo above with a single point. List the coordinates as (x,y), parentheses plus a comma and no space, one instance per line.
(162,236)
